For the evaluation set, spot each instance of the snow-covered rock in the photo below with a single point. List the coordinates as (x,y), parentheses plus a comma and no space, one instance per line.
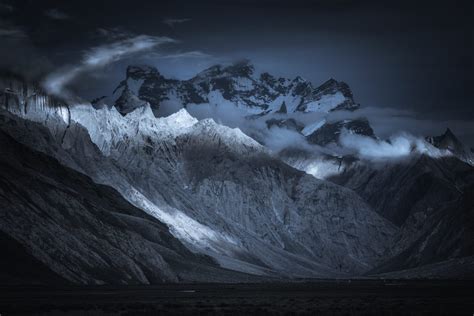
(233,88)
(236,84)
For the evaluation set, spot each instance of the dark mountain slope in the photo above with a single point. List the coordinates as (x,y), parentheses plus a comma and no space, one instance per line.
(19,267)
(430,199)
(397,189)
(447,233)
(84,232)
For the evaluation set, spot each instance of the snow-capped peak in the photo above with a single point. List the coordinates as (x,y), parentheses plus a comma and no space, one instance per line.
(237,84)
(141,113)
(178,122)
(230,87)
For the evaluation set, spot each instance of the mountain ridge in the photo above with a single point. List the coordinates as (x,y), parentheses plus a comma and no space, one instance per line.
(225,195)
(235,83)
(237,87)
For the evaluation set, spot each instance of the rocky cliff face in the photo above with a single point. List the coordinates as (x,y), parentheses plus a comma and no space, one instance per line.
(85,232)
(142,85)
(26,99)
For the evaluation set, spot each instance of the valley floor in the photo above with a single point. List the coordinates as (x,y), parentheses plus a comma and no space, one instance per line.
(334,297)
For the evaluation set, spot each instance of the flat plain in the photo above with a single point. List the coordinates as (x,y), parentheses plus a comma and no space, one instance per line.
(332,297)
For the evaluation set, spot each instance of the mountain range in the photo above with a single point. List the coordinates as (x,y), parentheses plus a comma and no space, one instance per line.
(133,195)
(263,97)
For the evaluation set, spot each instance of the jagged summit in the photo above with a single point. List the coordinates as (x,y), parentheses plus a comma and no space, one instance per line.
(235,84)
(242,68)
(141,71)
(333,86)
(448,132)
(330,132)
(239,69)
(179,121)
(448,141)
(182,116)
(142,85)
(225,86)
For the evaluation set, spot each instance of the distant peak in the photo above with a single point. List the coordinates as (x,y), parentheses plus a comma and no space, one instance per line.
(299,79)
(141,112)
(242,68)
(447,141)
(243,63)
(141,71)
(182,119)
(210,72)
(266,76)
(332,86)
(330,82)
(449,133)
(182,114)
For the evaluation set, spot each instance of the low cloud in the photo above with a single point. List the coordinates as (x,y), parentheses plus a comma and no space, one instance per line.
(99,57)
(228,114)
(105,54)
(278,139)
(393,143)
(387,122)
(171,22)
(56,14)
(396,147)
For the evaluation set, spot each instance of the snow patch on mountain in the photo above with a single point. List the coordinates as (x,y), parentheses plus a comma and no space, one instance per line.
(181,226)
(134,85)
(107,127)
(326,103)
(311,128)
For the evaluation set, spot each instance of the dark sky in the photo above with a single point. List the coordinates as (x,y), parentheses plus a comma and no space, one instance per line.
(414,55)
